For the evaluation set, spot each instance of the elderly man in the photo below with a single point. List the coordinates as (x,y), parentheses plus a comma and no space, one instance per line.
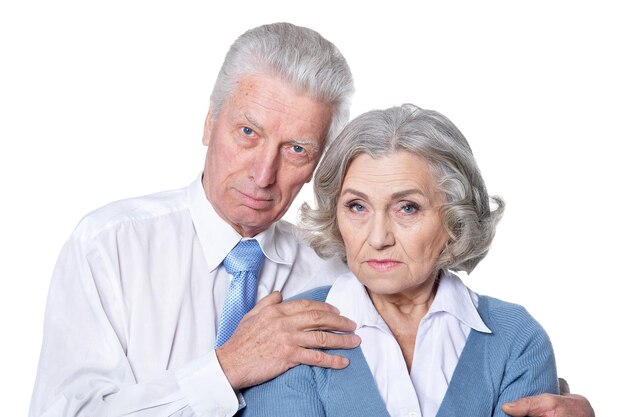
(144,314)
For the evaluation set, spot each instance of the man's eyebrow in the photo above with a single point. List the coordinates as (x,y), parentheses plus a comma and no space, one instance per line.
(306,142)
(302,142)
(252,121)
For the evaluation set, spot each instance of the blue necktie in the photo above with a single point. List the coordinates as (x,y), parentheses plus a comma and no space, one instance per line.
(243,263)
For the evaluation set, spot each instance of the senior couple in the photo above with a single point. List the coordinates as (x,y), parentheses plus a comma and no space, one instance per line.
(151,305)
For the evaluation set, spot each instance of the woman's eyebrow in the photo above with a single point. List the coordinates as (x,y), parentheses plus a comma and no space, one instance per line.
(405,193)
(399,194)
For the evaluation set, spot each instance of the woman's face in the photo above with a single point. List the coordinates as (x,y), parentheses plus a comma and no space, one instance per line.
(388,215)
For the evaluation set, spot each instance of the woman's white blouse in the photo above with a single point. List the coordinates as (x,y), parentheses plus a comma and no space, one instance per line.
(440,339)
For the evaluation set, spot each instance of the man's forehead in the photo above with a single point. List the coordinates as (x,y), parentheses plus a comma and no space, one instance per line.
(264,107)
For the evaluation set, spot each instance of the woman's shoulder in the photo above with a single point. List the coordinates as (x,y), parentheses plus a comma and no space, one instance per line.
(501,313)
(314,294)
(510,320)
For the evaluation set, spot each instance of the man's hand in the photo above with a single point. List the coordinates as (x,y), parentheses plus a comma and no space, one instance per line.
(550,405)
(275,336)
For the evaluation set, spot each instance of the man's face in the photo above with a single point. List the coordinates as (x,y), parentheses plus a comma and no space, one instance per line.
(262,147)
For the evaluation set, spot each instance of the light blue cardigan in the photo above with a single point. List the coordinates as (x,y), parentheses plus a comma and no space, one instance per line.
(514,361)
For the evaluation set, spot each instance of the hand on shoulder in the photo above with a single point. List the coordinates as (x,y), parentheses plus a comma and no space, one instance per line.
(550,405)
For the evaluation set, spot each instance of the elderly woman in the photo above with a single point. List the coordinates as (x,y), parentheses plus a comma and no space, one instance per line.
(401,199)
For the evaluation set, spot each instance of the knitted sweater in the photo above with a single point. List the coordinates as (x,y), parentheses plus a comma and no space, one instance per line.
(513,361)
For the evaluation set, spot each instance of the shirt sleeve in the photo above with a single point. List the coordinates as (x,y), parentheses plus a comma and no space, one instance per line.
(83,367)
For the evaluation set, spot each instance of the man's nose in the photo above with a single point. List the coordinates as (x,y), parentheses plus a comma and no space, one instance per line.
(264,167)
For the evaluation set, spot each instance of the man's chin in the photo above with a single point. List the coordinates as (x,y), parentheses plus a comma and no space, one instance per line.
(253,222)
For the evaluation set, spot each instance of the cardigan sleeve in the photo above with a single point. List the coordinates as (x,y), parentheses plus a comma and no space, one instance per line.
(294,393)
(531,367)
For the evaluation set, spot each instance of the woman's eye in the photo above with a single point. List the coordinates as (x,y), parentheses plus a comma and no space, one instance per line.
(409,208)
(356,207)
(247,131)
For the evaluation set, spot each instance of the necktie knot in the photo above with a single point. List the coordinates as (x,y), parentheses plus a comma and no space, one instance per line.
(246,256)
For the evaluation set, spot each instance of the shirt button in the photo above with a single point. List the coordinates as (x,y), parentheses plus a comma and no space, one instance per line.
(413,414)
(220,412)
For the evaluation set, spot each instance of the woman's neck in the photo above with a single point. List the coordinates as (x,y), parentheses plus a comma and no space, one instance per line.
(403,313)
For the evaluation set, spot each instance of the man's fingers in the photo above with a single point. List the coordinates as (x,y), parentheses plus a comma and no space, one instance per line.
(301,315)
(322,320)
(304,315)
(537,406)
(321,359)
(327,340)
(550,405)
(273,298)
(298,306)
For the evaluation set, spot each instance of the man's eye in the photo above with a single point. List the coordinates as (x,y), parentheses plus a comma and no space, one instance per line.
(298,149)
(247,131)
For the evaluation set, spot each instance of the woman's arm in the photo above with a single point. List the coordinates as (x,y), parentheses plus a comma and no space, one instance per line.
(531,366)
(294,393)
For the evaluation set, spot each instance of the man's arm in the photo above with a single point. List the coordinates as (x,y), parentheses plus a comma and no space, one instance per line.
(549,405)
(83,367)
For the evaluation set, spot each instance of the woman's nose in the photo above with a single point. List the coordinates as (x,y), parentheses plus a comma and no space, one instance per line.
(381,233)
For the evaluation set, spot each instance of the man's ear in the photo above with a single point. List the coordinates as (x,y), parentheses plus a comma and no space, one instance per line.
(208,123)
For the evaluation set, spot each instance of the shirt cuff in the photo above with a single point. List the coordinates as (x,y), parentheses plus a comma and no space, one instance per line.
(207,389)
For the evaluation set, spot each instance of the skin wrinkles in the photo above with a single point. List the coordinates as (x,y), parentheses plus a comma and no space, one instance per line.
(394,196)
(382,231)
(261,149)
(314,146)
(388,217)
(266,100)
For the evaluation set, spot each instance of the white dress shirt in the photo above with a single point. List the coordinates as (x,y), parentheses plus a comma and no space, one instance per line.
(441,337)
(134,304)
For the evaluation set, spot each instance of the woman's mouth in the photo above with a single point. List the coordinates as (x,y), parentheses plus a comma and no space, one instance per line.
(383,265)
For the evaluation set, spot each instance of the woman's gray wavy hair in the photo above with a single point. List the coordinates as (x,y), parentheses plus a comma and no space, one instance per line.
(299,56)
(466,213)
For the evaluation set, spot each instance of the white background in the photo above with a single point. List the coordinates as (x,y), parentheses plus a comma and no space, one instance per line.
(105,100)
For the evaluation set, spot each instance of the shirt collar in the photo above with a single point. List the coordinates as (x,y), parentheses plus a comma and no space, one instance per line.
(352,300)
(453,297)
(217,237)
